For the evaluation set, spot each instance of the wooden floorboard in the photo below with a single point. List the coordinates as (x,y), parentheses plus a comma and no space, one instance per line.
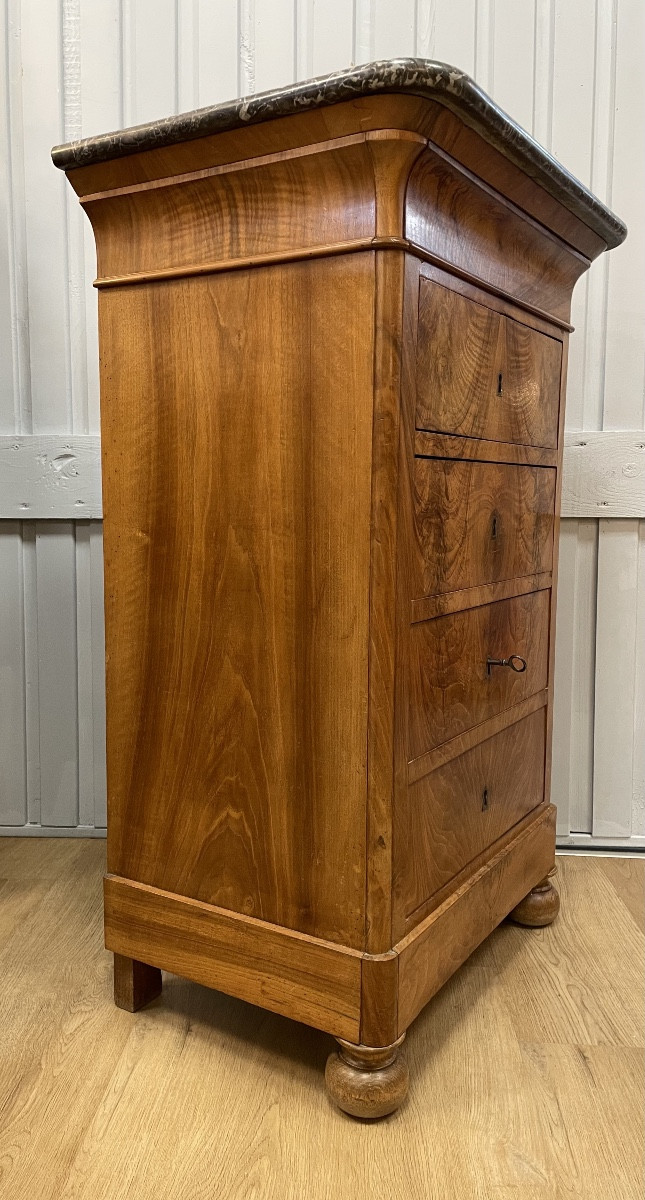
(526,1068)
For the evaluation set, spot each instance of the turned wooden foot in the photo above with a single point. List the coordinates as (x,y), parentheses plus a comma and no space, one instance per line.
(367,1081)
(540,907)
(135,983)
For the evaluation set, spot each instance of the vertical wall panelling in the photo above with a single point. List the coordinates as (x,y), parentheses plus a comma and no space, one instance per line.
(543,61)
(218,53)
(570,71)
(15,365)
(638,782)
(363,31)
(85,682)
(7,391)
(13,751)
(246,48)
(273,44)
(29,617)
(98,677)
(324,36)
(572,128)
(188,55)
(514,58)
(455,33)
(484,43)
(616,734)
(394,28)
(57,673)
(45,217)
(615,678)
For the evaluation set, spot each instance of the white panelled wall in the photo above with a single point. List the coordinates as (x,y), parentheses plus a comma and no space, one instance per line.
(571,72)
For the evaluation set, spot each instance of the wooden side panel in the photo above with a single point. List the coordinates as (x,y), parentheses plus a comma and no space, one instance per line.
(307,980)
(306,200)
(237,435)
(480,522)
(434,950)
(481,374)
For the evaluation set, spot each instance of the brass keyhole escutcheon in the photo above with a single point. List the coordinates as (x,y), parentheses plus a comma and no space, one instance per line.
(485,799)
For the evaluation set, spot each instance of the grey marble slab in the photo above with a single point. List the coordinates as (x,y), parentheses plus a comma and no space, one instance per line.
(415,76)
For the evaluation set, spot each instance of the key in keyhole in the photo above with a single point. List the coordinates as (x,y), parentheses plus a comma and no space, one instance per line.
(499,384)
(484,799)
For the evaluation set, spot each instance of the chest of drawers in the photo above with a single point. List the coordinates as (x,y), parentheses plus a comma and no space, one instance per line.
(333,338)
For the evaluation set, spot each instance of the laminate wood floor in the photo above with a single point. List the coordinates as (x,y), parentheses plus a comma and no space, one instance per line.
(526,1069)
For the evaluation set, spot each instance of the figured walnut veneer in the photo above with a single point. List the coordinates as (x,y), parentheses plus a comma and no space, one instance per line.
(333,334)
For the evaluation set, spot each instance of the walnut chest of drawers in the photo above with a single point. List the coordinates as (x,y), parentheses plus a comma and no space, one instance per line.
(333,339)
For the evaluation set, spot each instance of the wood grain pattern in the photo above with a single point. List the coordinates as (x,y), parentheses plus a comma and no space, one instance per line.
(237,576)
(388,315)
(426,607)
(433,759)
(430,954)
(625,876)
(307,980)
(548,1024)
(452,815)
(340,190)
(277,205)
(135,983)
(465,146)
(478,523)
(379,998)
(366,1082)
(503,247)
(445,445)
(458,388)
(450,687)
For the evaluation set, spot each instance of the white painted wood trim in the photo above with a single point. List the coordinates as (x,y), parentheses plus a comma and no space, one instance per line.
(604,474)
(615,685)
(51,476)
(58,476)
(83,831)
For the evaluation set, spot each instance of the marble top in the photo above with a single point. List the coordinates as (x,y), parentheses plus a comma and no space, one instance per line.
(415,76)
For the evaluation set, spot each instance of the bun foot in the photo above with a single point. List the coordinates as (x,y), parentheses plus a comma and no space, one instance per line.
(367,1081)
(540,907)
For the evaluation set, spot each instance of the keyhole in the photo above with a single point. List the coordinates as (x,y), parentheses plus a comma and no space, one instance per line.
(484,799)
(499,384)
(493,530)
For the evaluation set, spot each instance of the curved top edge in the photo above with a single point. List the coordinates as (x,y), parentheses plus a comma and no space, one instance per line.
(419,77)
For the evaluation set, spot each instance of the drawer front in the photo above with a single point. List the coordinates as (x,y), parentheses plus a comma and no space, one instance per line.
(450,686)
(453,814)
(478,523)
(481,374)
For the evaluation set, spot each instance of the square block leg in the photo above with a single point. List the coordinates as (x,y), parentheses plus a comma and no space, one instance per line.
(135,983)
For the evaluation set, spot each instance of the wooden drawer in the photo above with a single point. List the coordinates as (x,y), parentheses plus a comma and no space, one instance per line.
(450,688)
(483,375)
(454,813)
(478,523)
